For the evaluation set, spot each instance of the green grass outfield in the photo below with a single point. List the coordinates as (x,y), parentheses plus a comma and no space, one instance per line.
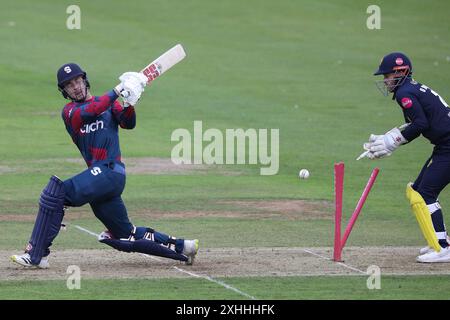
(286,288)
(303,67)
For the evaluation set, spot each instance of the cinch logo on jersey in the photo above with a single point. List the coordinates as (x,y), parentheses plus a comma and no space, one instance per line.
(94,126)
(407,103)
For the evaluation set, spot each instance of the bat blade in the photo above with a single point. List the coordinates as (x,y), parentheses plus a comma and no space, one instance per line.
(164,62)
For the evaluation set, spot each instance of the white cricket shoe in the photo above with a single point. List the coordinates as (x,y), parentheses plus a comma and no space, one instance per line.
(425,250)
(25,260)
(434,257)
(190,250)
(428,249)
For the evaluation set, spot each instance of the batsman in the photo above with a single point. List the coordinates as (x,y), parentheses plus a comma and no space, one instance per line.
(427,114)
(93,124)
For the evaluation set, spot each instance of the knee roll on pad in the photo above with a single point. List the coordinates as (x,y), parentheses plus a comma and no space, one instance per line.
(52,197)
(170,242)
(142,233)
(423,216)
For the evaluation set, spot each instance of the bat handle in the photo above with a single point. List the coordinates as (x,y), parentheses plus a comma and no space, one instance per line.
(362,155)
(125,93)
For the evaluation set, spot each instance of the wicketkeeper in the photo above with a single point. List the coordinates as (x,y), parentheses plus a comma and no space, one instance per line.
(425,113)
(93,122)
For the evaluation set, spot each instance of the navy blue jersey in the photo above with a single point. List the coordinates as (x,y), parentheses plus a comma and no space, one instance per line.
(93,126)
(427,113)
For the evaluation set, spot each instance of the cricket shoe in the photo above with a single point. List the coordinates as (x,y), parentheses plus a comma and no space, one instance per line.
(25,260)
(428,249)
(190,250)
(435,257)
(425,250)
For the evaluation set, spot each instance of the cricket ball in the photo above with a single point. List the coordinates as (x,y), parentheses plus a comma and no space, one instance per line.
(303,174)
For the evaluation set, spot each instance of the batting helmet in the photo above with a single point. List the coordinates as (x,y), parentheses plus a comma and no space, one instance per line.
(68,72)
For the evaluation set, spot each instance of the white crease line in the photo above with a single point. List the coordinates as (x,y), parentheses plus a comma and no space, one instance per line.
(351,268)
(340,263)
(87,231)
(216,281)
(181,270)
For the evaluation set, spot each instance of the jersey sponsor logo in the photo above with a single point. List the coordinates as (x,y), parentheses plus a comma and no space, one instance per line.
(94,126)
(399,61)
(406,102)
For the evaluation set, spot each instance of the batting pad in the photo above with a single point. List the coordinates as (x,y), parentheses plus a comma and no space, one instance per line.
(48,220)
(423,217)
(144,246)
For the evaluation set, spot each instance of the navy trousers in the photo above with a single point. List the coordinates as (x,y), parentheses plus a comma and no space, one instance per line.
(432,179)
(434,176)
(101,185)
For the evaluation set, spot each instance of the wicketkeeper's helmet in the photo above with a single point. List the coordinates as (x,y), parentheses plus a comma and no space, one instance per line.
(395,62)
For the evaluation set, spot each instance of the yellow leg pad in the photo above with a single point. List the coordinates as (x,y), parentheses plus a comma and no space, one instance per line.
(423,217)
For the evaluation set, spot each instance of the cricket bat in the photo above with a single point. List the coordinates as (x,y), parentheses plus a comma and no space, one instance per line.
(362,155)
(161,64)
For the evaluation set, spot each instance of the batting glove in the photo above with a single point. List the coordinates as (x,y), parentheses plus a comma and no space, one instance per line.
(132,86)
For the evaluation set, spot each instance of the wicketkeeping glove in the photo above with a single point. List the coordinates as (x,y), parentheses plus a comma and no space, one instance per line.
(383,145)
